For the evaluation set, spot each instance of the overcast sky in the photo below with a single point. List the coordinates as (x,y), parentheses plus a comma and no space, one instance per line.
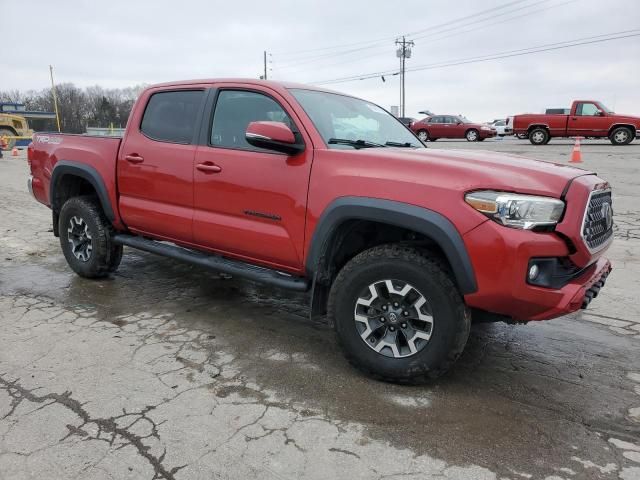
(123,43)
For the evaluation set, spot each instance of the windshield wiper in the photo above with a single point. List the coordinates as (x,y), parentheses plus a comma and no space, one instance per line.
(400,144)
(354,143)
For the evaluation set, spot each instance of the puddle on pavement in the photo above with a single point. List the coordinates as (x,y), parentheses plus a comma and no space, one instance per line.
(517,391)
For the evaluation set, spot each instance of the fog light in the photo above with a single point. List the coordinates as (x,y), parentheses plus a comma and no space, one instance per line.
(533,272)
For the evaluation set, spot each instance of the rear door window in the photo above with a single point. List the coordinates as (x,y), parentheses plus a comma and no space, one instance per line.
(172,116)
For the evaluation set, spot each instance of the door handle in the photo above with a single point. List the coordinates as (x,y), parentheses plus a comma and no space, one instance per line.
(209,168)
(134,158)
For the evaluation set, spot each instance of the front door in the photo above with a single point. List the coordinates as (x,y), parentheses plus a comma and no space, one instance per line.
(249,202)
(588,120)
(457,128)
(155,165)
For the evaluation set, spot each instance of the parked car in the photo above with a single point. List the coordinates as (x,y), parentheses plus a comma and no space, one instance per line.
(588,118)
(399,244)
(407,121)
(500,126)
(451,126)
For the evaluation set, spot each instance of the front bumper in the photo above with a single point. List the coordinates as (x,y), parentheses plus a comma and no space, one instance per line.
(488,133)
(501,258)
(501,263)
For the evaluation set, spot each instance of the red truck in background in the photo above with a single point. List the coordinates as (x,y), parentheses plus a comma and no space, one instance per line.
(587,118)
(311,190)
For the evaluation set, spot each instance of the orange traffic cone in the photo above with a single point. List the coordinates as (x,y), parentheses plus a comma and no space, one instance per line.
(576,155)
(14,152)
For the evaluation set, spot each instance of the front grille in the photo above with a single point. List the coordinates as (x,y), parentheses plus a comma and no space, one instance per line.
(597,228)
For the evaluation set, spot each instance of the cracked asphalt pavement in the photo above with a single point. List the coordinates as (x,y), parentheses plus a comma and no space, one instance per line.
(166,371)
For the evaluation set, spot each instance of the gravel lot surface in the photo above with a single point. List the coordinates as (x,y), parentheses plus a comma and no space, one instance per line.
(165,371)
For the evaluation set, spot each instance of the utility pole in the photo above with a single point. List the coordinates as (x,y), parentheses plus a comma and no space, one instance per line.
(403,52)
(55,97)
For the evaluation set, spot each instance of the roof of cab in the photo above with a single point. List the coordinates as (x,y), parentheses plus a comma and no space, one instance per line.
(276,85)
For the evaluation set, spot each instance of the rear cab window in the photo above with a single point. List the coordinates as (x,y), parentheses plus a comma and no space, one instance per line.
(172,116)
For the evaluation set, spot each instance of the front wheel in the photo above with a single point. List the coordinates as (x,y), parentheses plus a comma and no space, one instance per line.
(398,315)
(85,238)
(621,136)
(423,136)
(472,135)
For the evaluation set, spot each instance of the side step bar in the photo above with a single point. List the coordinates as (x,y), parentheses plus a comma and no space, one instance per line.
(215,262)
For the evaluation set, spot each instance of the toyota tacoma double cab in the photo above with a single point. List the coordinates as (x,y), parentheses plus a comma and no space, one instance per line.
(586,118)
(311,190)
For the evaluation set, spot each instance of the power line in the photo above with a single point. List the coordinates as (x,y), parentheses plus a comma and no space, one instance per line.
(386,39)
(368,45)
(456,33)
(495,56)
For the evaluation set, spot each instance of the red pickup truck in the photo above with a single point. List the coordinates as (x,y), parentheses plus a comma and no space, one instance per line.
(587,118)
(307,189)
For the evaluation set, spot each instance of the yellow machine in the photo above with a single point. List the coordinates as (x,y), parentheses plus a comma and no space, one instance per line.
(12,126)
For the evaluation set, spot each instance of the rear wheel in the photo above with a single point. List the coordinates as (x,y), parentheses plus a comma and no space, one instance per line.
(85,238)
(539,136)
(398,315)
(423,135)
(621,136)
(472,135)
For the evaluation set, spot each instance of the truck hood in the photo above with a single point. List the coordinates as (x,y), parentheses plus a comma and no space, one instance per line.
(626,118)
(466,170)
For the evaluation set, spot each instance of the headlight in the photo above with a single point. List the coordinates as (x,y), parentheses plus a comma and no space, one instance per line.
(485,128)
(517,211)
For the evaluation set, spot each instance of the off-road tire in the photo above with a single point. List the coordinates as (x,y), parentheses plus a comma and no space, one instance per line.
(617,133)
(539,136)
(105,255)
(451,318)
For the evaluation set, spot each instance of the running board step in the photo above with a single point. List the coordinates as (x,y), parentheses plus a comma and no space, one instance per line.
(214,262)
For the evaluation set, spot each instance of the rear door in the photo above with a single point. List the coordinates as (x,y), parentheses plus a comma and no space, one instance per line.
(249,202)
(155,164)
(588,120)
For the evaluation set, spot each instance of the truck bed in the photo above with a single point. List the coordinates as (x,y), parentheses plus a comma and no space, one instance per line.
(556,123)
(89,152)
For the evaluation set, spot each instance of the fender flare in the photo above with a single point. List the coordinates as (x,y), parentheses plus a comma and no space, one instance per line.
(427,222)
(630,126)
(88,173)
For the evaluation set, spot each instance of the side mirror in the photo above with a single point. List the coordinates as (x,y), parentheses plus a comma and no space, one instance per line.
(273,136)
(600,113)
(458,122)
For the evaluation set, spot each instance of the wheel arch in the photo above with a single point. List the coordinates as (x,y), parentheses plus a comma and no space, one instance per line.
(632,128)
(538,125)
(70,178)
(345,212)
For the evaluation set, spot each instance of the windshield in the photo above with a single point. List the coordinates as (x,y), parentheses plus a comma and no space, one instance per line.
(346,122)
(604,107)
